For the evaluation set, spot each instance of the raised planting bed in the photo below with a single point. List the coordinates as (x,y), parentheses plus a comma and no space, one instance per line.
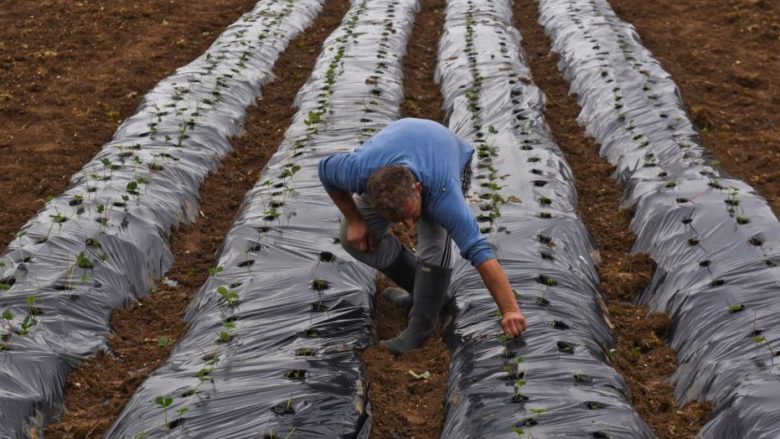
(715,241)
(272,349)
(104,242)
(555,380)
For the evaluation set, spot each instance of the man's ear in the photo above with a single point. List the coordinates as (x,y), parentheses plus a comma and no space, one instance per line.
(419,187)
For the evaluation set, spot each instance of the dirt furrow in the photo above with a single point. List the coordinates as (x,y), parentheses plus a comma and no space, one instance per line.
(641,355)
(404,407)
(144,334)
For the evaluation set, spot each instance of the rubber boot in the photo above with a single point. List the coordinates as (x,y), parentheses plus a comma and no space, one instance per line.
(430,289)
(402,272)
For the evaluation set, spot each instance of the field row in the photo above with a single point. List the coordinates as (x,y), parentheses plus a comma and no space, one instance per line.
(274,333)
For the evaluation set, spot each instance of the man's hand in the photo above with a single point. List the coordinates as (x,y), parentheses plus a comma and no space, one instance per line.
(513,323)
(359,237)
(512,320)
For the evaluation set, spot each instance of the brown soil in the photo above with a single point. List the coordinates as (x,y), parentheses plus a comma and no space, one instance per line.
(642,358)
(98,390)
(405,407)
(725,57)
(71,70)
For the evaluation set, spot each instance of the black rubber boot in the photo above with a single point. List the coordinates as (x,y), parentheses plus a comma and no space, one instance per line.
(402,272)
(430,290)
(399,297)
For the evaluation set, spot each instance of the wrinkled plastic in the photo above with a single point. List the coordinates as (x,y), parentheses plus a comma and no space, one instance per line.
(104,242)
(288,364)
(715,241)
(554,381)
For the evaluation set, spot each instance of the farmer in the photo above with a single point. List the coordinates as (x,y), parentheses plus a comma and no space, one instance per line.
(414,171)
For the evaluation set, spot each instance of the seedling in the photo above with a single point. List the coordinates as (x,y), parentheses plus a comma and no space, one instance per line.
(58,217)
(736,308)
(305,352)
(180,412)
(295,374)
(231,297)
(547,280)
(566,347)
(164,402)
(164,342)
(284,408)
(8,316)
(84,262)
(504,340)
(319,284)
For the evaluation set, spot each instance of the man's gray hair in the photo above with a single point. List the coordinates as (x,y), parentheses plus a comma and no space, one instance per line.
(388,188)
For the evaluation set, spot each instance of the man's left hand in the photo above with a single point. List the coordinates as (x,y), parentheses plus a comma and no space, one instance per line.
(513,323)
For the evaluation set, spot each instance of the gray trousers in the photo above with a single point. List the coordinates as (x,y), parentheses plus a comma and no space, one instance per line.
(434,245)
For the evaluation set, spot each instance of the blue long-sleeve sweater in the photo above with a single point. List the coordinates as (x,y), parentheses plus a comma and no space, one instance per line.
(436,157)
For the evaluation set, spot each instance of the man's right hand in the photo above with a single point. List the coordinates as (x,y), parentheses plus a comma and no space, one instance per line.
(359,237)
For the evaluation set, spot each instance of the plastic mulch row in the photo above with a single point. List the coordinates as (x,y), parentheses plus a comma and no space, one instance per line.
(555,380)
(103,243)
(272,348)
(715,241)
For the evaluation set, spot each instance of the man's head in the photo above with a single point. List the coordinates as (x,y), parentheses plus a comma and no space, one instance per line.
(395,194)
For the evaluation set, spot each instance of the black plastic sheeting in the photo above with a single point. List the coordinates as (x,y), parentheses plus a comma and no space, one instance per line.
(272,348)
(104,242)
(555,380)
(715,241)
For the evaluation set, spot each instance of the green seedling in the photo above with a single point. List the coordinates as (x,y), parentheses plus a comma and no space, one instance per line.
(305,352)
(8,316)
(547,280)
(83,261)
(736,308)
(213,271)
(164,342)
(180,412)
(164,402)
(58,217)
(231,297)
(319,284)
(504,340)
(290,171)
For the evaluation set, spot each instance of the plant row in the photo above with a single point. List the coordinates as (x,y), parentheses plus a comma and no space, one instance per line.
(104,242)
(274,333)
(555,380)
(715,241)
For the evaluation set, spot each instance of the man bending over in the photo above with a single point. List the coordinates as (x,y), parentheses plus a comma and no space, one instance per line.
(415,171)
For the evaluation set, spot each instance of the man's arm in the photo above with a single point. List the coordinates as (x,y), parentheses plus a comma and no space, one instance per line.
(357,229)
(512,320)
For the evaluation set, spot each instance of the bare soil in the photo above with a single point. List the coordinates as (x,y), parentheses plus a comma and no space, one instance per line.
(725,57)
(405,407)
(70,71)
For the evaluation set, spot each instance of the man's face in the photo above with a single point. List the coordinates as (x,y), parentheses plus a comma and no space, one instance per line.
(412,208)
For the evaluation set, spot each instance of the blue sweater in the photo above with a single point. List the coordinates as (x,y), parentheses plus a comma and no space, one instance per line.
(436,157)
